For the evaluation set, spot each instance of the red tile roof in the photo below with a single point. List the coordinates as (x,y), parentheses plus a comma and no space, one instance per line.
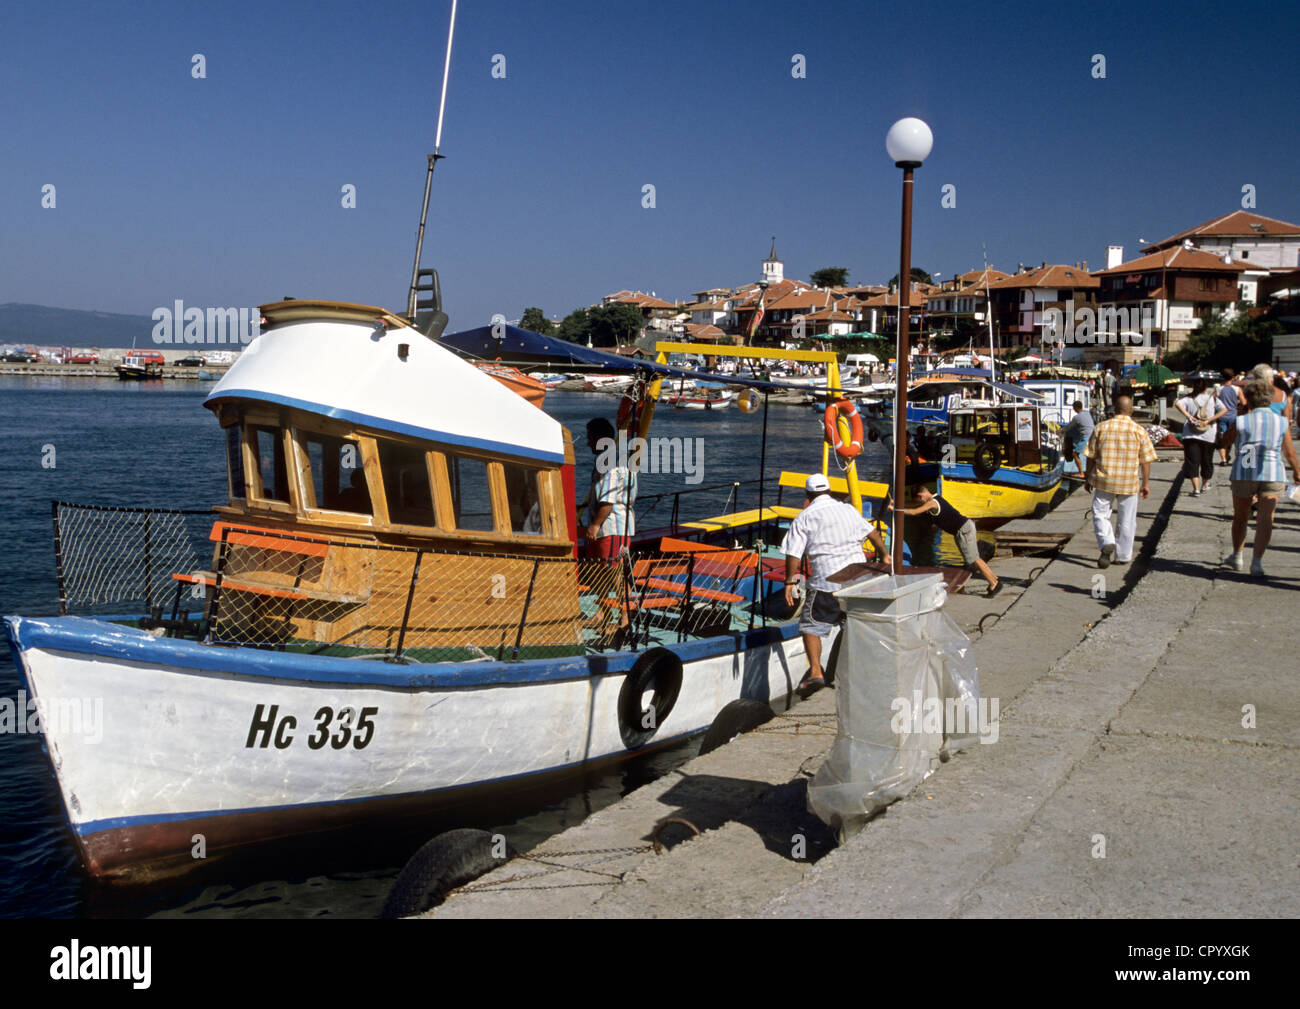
(699,331)
(1182,259)
(1238,224)
(1047,276)
(638,298)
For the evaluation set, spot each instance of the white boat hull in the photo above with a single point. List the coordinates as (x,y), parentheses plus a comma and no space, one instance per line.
(241,757)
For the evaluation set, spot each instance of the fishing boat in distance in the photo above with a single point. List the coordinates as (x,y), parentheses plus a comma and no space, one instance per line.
(140,366)
(705,396)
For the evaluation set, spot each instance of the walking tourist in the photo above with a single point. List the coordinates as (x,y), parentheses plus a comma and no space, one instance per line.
(1200,432)
(1263,441)
(1119,457)
(830,532)
(1076,435)
(1232,401)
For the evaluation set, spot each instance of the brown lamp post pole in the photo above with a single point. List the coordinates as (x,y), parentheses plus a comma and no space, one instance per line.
(908,143)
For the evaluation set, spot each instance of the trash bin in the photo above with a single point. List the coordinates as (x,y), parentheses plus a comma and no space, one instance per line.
(900,659)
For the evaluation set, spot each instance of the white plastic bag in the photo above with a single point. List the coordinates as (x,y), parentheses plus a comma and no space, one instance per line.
(906,687)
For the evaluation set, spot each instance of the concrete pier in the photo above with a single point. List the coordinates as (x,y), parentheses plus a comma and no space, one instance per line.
(1127,779)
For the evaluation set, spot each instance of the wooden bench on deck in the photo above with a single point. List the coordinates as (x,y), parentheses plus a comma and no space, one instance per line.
(305,547)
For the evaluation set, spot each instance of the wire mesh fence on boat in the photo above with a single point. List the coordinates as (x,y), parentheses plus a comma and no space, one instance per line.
(106,557)
(328,596)
(637,599)
(242,584)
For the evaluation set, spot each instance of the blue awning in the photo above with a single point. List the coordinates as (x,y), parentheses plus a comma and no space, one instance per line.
(524,349)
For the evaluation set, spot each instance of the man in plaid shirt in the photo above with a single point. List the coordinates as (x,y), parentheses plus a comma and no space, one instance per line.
(1119,457)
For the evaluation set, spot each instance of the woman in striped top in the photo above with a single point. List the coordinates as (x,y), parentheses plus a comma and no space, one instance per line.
(1263,440)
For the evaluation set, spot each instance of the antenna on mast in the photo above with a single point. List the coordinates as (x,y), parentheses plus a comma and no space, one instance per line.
(427,315)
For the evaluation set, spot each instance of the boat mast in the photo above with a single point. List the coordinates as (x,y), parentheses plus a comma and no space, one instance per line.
(428,179)
(988,313)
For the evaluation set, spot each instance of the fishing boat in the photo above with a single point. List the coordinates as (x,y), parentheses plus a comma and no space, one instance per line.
(607,383)
(703,397)
(1059,396)
(390,614)
(998,461)
(139,366)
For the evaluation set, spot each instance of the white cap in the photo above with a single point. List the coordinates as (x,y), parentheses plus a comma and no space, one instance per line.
(816,483)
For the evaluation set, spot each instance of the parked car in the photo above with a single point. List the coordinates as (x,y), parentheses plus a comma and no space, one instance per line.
(22,357)
(83,357)
(191,362)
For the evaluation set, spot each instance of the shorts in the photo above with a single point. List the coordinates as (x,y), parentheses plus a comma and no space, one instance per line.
(821,613)
(1249,488)
(1225,423)
(1077,445)
(607,547)
(967,542)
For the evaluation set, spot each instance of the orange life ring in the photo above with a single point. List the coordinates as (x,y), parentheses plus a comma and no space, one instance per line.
(849,410)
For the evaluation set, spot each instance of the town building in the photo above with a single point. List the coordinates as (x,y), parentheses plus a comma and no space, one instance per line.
(1166,295)
(1027,307)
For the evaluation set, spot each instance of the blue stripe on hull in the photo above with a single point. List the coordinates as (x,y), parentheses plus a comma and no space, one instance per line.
(86,636)
(1006,476)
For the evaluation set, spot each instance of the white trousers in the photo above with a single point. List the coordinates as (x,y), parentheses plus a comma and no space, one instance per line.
(1125,508)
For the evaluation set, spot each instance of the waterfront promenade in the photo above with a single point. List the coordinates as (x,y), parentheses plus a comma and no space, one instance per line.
(1121,726)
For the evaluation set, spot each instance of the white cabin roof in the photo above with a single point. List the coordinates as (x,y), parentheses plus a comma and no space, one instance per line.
(329,359)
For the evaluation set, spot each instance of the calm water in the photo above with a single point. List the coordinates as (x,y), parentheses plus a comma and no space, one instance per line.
(138,444)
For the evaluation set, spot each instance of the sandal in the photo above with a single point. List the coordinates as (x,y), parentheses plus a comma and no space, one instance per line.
(809,685)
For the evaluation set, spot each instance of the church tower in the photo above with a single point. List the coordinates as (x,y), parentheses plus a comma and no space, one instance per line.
(773,268)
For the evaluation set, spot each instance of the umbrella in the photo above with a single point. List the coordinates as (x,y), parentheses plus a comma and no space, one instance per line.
(1027,359)
(1149,373)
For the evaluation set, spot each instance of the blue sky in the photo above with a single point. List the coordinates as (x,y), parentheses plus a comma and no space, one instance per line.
(226,190)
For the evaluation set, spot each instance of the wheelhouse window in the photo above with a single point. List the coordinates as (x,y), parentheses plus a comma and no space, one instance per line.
(337,477)
(523,495)
(235,463)
(267,445)
(406,484)
(471,493)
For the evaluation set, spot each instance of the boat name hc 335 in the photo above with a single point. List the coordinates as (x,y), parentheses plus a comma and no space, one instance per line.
(268,725)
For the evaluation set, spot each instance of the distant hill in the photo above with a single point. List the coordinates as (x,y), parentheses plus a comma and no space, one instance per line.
(70,327)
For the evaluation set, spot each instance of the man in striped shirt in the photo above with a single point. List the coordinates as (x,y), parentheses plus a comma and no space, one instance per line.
(610,520)
(1119,455)
(831,534)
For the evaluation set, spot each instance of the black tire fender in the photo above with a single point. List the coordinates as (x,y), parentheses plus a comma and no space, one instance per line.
(735,718)
(658,669)
(988,457)
(449,860)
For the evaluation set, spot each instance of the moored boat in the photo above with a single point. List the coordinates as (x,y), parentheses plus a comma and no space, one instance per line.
(390,613)
(140,367)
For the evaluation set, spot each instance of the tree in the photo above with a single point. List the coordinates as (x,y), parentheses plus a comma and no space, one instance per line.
(918,276)
(612,325)
(576,327)
(536,320)
(1219,342)
(830,276)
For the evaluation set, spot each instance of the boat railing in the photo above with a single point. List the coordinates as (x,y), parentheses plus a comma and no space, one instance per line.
(649,508)
(108,557)
(231,583)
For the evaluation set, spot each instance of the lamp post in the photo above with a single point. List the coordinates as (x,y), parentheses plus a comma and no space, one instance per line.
(908,143)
